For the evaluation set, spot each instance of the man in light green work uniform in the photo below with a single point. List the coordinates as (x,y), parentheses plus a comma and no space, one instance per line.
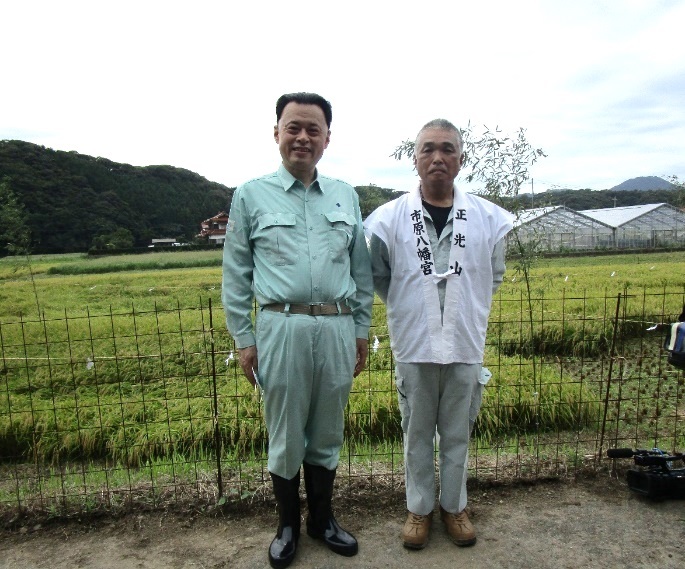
(295,242)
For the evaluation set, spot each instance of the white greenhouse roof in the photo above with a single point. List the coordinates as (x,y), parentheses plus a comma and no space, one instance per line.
(557,215)
(617,216)
(528,215)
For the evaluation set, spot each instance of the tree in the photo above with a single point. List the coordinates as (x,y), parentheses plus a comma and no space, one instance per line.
(121,238)
(14,233)
(680,191)
(372,196)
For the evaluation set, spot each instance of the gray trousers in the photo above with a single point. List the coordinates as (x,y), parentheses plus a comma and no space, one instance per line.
(305,372)
(442,397)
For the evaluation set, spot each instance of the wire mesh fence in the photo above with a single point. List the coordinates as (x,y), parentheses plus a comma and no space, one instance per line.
(149,408)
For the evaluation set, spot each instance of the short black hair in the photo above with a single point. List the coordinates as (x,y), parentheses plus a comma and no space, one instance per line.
(305,99)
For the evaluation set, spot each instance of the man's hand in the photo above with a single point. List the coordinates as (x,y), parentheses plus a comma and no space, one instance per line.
(362,352)
(248,361)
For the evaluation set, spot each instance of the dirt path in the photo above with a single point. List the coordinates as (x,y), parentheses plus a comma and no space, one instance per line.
(591,523)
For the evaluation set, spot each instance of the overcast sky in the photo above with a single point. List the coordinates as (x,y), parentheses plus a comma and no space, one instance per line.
(598,85)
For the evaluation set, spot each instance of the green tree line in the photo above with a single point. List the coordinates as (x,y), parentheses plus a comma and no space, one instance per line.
(592,199)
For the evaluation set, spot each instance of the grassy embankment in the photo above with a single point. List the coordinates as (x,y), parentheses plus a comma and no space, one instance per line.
(117,364)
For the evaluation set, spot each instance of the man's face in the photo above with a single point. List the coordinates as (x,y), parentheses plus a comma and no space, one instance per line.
(302,136)
(438,155)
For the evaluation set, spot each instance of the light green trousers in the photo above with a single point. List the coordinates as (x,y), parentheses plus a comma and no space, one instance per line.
(305,371)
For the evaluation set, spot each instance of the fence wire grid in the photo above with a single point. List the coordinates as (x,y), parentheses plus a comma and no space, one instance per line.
(150,408)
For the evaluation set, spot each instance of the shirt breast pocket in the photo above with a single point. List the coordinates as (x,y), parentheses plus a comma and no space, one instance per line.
(277,237)
(340,234)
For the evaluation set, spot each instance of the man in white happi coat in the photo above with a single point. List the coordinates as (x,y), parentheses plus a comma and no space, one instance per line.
(438,256)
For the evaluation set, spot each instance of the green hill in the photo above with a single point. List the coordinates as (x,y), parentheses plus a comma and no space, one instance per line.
(73,201)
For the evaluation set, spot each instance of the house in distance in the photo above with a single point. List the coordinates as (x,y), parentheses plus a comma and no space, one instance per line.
(214,229)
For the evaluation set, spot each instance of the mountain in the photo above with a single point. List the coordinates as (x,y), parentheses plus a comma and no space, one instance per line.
(74,202)
(644,183)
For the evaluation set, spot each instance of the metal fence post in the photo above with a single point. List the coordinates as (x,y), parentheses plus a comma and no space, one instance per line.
(217,434)
(611,368)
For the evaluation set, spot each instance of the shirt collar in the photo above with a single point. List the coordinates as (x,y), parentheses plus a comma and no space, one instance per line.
(288,180)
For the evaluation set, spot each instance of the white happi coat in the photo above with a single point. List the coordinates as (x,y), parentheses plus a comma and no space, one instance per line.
(419,332)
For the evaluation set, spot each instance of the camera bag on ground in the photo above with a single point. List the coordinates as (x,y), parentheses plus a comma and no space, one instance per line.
(655,476)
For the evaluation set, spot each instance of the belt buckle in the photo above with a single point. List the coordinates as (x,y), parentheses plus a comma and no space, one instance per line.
(315,309)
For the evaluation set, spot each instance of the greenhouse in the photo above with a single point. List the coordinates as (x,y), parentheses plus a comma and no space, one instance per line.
(642,226)
(558,228)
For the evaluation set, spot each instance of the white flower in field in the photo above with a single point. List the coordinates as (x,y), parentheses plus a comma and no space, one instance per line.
(229,358)
(513,280)
(151,289)
(653,327)
(376,344)
(613,273)
(91,288)
(89,363)
(651,268)
(566,278)
(212,287)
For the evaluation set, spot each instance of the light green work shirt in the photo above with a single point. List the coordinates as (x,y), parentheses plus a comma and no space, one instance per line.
(289,244)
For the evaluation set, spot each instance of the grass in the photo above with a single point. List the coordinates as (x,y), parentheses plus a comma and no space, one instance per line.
(91,486)
(76,284)
(154,399)
(149,262)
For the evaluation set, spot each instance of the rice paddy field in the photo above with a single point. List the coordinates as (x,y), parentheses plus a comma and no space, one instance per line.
(118,371)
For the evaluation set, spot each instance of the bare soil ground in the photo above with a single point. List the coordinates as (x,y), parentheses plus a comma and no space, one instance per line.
(592,522)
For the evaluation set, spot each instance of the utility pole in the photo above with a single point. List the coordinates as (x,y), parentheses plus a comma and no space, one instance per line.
(532,194)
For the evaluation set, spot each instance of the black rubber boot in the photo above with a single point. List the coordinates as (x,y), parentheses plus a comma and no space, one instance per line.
(283,547)
(321,524)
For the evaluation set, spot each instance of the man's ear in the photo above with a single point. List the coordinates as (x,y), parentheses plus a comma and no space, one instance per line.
(328,139)
(276,133)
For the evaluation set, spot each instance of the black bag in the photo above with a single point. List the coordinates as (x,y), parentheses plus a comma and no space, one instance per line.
(675,342)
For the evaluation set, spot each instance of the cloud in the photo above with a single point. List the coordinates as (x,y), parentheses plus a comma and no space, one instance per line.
(597,85)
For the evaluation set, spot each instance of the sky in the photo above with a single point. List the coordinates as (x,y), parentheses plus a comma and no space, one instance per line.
(598,85)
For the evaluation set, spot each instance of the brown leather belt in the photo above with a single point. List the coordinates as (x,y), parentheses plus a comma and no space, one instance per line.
(310,309)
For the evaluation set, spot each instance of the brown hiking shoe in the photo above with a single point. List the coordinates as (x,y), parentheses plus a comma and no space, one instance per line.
(415,531)
(459,528)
